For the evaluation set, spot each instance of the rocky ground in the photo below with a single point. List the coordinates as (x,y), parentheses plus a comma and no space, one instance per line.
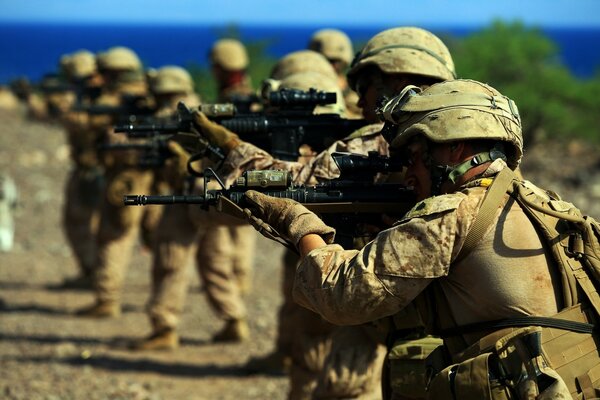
(47,353)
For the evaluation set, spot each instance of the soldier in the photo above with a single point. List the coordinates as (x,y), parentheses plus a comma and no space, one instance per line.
(336,46)
(383,68)
(479,250)
(83,191)
(185,232)
(119,225)
(230,241)
(229,63)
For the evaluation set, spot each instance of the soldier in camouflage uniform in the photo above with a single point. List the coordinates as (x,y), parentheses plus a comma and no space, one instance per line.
(186,232)
(119,227)
(469,253)
(390,61)
(81,212)
(229,64)
(336,46)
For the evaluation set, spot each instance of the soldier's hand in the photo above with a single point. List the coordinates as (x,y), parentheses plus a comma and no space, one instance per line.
(285,218)
(216,134)
(176,167)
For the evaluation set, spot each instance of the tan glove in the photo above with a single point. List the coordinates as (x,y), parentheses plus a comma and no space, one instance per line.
(176,166)
(216,134)
(289,219)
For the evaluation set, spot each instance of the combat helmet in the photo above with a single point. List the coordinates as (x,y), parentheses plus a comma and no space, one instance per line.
(456,110)
(333,44)
(229,54)
(405,50)
(119,59)
(171,79)
(78,65)
(303,61)
(315,80)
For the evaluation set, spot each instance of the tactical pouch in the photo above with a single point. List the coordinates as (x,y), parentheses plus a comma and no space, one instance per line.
(407,369)
(525,367)
(475,378)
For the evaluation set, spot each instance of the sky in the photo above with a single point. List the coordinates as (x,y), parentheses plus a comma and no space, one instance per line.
(583,13)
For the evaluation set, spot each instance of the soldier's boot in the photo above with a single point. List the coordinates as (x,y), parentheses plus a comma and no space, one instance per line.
(81,282)
(275,363)
(166,339)
(235,330)
(101,309)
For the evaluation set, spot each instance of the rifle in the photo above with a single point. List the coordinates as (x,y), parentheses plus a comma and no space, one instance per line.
(287,123)
(345,203)
(132,109)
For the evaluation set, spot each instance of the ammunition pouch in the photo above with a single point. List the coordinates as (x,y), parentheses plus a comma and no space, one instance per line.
(406,365)
(526,363)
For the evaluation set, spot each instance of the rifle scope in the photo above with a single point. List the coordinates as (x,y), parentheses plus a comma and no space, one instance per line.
(300,98)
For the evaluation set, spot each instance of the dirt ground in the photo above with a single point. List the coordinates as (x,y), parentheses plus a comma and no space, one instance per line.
(46,353)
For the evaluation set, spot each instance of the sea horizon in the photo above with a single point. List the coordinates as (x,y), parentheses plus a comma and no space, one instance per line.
(34,48)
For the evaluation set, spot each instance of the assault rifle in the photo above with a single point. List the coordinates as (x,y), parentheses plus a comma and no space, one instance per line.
(287,123)
(345,203)
(133,108)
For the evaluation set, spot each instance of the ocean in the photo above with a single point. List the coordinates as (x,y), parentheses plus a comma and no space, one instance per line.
(31,50)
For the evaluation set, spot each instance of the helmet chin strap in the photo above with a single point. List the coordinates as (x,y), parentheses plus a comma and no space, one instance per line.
(441,173)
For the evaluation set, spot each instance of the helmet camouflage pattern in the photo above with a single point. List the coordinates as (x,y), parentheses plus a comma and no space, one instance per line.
(79,65)
(229,54)
(456,110)
(171,79)
(302,61)
(119,59)
(333,44)
(405,50)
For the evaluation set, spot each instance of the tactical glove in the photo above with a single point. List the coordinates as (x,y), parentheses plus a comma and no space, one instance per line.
(176,166)
(285,218)
(216,134)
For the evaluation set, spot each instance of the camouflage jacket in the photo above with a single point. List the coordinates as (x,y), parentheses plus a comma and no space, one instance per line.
(506,275)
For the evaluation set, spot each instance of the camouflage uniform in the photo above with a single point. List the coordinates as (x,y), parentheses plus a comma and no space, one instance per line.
(314,346)
(431,63)
(425,257)
(337,47)
(186,232)
(119,226)
(83,192)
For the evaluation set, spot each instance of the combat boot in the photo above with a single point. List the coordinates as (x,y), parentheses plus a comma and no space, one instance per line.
(166,339)
(235,330)
(275,363)
(81,282)
(102,309)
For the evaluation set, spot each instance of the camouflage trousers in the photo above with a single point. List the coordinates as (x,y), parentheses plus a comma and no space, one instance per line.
(119,230)
(328,361)
(81,215)
(223,248)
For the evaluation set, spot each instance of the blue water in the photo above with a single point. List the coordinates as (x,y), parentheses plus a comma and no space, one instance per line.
(34,49)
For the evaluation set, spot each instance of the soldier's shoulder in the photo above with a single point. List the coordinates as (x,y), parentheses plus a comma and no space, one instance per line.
(368,130)
(435,205)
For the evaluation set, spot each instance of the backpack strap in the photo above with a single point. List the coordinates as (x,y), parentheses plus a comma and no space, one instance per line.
(487,211)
